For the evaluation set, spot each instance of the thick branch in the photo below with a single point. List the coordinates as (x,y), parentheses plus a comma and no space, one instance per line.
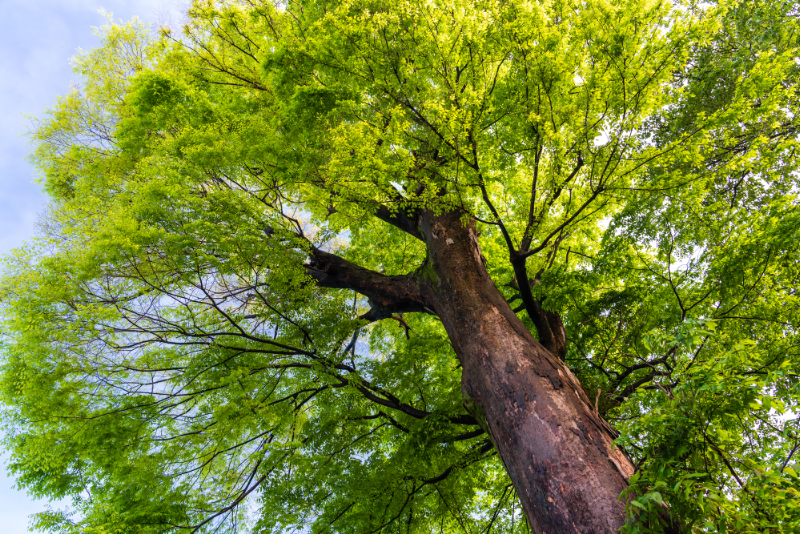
(404,220)
(549,327)
(386,294)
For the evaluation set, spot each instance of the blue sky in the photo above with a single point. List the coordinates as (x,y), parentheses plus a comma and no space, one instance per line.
(38,39)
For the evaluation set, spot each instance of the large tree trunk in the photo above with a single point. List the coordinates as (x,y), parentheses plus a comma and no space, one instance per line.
(556,449)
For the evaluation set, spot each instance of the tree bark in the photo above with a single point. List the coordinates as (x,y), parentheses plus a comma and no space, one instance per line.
(556,449)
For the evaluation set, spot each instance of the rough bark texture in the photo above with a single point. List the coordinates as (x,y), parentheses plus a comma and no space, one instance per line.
(550,329)
(556,450)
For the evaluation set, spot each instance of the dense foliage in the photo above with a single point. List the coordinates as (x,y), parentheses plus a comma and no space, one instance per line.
(169,364)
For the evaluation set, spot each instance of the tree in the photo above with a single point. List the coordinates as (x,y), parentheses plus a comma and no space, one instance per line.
(376,266)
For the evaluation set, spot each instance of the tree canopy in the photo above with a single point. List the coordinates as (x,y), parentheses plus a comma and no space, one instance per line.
(211,332)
